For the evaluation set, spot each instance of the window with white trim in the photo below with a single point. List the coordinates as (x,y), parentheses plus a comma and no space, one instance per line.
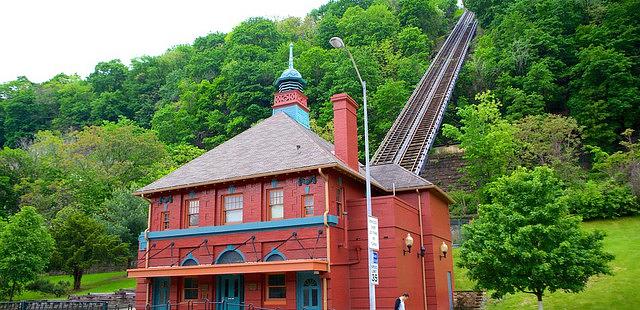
(233,208)
(340,201)
(276,287)
(307,209)
(190,288)
(165,220)
(276,204)
(193,215)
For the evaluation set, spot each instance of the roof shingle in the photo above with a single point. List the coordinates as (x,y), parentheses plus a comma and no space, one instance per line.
(276,144)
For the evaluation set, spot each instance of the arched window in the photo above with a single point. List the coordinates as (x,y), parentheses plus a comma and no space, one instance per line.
(189,262)
(274,257)
(230,257)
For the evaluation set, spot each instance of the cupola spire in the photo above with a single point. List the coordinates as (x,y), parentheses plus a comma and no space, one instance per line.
(290,79)
(289,98)
(291,56)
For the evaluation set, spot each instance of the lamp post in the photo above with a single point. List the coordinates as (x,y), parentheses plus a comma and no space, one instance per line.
(336,42)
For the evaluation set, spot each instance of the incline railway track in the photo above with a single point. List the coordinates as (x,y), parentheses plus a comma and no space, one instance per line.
(408,141)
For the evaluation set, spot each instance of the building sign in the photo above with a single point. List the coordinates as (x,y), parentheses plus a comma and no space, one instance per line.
(373,269)
(372,228)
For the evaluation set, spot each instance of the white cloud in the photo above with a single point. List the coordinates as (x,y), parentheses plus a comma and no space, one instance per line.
(41,38)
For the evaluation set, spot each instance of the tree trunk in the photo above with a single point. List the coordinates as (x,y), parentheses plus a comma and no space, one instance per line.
(539,301)
(77,278)
(12,291)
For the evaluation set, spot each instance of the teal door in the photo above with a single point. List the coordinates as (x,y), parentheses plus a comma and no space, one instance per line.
(308,291)
(160,293)
(230,290)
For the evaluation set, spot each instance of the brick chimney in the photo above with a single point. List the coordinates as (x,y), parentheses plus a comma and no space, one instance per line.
(345,129)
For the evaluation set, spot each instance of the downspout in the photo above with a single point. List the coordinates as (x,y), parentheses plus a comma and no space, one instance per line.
(326,225)
(146,238)
(424,280)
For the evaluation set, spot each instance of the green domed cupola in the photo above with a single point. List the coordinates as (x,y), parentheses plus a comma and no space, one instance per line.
(290,78)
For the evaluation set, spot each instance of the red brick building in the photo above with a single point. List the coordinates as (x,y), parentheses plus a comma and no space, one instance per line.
(276,218)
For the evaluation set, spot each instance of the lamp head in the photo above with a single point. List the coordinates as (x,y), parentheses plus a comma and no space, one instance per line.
(408,243)
(444,248)
(336,42)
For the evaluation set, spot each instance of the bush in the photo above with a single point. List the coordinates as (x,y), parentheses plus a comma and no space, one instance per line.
(466,203)
(601,200)
(45,286)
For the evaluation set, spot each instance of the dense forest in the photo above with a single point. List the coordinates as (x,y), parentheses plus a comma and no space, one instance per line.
(548,82)
(552,83)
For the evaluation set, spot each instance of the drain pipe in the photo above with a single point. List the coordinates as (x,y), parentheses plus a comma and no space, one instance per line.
(424,280)
(146,238)
(326,225)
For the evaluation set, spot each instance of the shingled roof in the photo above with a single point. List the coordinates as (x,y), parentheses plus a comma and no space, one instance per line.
(394,176)
(276,145)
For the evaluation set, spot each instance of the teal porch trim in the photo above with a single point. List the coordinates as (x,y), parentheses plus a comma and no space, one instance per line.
(244,227)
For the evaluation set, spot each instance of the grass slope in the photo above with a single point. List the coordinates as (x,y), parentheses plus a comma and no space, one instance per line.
(619,291)
(91,283)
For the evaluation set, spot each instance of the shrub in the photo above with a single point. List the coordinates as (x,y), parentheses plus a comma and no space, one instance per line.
(601,200)
(466,203)
(45,286)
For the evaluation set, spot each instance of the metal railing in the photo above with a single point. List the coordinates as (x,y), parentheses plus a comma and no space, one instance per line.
(206,305)
(62,305)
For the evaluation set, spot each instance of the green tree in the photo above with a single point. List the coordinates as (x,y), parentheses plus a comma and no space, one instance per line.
(25,249)
(82,242)
(412,41)
(623,166)
(606,97)
(257,31)
(108,76)
(423,14)
(364,27)
(24,113)
(125,216)
(489,142)
(551,140)
(525,240)
(15,165)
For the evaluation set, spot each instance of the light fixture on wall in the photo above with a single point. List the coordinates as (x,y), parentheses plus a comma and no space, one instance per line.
(423,251)
(444,248)
(408,243)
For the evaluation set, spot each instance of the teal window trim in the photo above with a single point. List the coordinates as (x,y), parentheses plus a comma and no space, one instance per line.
(273,253)
(230,248)
(189,257)
(332,220)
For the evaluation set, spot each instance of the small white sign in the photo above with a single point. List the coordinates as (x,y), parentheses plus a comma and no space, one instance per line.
(375,279)
(372,229)
(373,270)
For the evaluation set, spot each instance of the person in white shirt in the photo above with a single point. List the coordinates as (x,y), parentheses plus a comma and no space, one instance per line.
(400,301)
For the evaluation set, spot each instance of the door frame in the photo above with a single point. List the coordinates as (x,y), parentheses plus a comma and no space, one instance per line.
(219,281)
(300,278)
(156,290)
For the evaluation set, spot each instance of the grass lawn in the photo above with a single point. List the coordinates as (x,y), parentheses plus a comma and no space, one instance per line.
(619,291)
(91,283)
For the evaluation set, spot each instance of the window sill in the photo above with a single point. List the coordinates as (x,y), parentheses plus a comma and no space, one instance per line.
(275,302)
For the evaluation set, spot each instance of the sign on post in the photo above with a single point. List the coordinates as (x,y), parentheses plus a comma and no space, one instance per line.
(375,278)
(372,229)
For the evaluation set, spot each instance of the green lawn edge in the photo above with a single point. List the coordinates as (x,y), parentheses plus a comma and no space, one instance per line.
(105,282)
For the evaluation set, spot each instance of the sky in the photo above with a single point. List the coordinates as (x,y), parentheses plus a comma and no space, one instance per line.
(41,38)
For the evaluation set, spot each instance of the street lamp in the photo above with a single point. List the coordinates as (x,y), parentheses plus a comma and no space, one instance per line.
(336,42)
